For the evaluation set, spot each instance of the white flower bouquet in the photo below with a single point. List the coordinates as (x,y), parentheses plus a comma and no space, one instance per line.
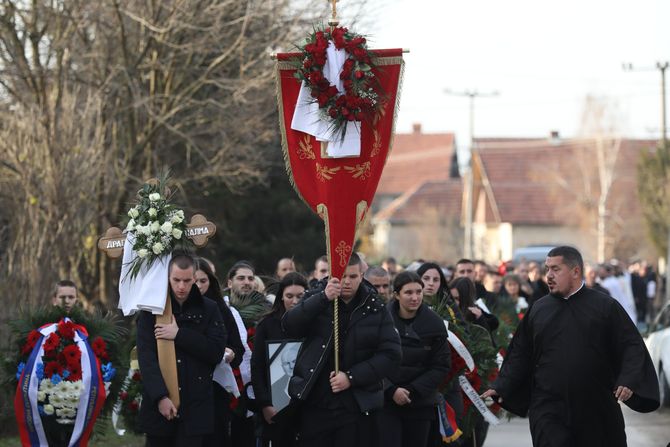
(156,226)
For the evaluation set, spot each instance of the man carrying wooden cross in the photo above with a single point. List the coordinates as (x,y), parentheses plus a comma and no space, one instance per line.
(199,337)
(177,353)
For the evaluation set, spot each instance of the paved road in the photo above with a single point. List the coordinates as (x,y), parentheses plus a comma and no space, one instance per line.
(642,430)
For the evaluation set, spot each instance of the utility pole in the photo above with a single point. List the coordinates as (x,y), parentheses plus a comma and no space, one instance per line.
(662,67)
(468,246)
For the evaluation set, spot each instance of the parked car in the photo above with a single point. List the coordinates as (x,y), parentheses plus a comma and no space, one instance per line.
(536,253)
(658,344)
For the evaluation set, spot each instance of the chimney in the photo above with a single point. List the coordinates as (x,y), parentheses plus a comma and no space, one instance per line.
(416,128)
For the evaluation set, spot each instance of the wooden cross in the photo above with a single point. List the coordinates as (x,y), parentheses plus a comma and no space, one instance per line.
(199,231)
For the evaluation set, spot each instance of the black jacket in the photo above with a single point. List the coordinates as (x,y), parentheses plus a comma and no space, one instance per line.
(425,357)
(199,345)
(369,346)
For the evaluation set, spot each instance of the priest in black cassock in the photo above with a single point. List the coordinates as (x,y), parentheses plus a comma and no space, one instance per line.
(574,356)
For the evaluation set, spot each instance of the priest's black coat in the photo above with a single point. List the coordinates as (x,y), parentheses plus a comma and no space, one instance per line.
(563,365)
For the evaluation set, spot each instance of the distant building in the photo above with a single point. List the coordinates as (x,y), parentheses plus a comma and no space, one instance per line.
(527,191)
(418,198)
(546,191)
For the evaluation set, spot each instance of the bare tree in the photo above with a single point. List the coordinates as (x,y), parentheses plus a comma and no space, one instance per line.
(97,96)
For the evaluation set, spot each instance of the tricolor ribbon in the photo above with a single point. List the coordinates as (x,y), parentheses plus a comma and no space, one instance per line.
(93,395)
(447,418)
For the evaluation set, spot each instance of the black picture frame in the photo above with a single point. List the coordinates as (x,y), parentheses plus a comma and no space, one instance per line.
(282,355)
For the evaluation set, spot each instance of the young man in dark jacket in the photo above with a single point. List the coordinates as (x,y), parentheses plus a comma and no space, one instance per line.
(199,337)
(336,406)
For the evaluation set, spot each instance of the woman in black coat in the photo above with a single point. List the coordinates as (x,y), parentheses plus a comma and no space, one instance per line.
(463,292)
(209,286)
(411,391)
(291,290)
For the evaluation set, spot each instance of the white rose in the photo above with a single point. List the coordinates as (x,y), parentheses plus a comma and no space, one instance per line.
(180,213)
(133,213)
(176,232)
(49,409)
(131,225)
(155,226)
(41,396)
(154,197)
(176,219)
(142,252)
(166,228)
(153,212)
(157,248)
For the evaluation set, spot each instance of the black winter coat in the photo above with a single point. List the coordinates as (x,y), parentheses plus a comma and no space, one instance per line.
(425,357)
(199,345)
(369,347)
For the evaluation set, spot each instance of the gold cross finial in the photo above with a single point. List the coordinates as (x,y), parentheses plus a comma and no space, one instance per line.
(333,19)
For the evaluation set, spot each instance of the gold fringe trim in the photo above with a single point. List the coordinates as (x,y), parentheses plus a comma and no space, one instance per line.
(282,130)
(452,438)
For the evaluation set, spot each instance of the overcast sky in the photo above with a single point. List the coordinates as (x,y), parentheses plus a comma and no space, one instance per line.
(542,57)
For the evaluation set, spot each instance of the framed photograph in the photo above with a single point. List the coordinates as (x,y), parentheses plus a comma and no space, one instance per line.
(281,359)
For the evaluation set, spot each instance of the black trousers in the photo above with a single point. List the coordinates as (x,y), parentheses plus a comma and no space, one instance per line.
(396,429)
(242,432)
(177,439)
(222,416)
(323,428)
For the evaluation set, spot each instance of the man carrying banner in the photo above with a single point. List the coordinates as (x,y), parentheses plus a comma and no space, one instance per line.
(199,338)
(337,405)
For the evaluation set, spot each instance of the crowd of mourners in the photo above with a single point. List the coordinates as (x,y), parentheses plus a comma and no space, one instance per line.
(393,348)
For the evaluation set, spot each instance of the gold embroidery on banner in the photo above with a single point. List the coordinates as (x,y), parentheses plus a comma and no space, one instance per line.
(305,152)
(377,145)
(361,171)
(343,250)
(324,173)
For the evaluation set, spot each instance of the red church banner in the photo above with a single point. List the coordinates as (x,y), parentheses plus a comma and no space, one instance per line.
(339,190)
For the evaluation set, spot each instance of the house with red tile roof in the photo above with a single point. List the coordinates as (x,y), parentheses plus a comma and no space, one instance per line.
(527,191)
(548,192)
(417,207)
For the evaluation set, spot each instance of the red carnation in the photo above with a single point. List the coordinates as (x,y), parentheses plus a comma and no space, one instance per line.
(359,74)
(123,395)
(52,342)
(359,53)
(66,329)
(100,348)
(31,341)
(315,77)
(344,111)
(52,368)
(348,84)
(134,405)
(137,376)
(75,373)
(332,112)
(72,354)
(322,99)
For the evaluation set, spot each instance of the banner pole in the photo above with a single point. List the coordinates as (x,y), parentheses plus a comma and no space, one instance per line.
(336,334)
